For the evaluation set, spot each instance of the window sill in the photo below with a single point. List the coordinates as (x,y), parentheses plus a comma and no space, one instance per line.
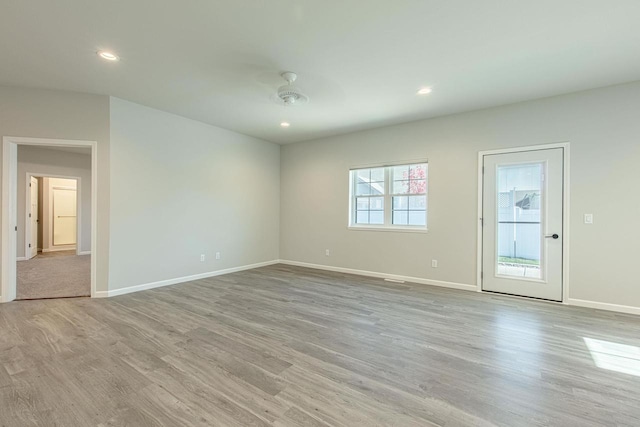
(389,229)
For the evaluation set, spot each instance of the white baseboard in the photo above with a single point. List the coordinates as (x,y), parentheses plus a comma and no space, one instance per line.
(161,283)
(604,306)
(84,253)
(418,280)
(66,248)
(21,258)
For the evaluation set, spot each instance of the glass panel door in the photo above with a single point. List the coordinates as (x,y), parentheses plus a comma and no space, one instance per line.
(522,223)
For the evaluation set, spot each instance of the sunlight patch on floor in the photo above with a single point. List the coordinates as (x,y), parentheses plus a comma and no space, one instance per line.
(614,357)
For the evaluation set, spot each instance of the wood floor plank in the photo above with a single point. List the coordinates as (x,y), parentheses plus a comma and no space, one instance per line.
(243,400)
(291,346)
(296,417)
(245,352)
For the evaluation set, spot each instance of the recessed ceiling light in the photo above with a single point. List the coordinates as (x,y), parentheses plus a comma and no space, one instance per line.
(424,91)
(285,124)
(109,56)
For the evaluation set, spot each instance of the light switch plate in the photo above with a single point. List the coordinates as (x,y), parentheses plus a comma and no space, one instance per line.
(588,218)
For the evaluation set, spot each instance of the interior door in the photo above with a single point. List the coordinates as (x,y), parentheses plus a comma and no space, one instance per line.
(33,218)
(64,216)
(522,234)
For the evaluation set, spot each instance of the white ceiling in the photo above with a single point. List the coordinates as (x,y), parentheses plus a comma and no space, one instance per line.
(360,61)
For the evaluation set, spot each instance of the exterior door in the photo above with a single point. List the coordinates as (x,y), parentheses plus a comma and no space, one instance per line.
(522,231)
(33,218)
(64,216)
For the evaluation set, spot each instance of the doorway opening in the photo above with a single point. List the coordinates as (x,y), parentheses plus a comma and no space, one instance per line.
(523,228)
(54,264)
(48,218)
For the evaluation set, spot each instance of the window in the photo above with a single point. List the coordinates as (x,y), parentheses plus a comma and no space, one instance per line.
(389,197)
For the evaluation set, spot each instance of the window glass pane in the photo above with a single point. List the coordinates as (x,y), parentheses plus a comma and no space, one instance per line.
(400,187)
(418,171)
(400,172)
(376,217)
(377,174)
(377,188)
(417,218)
(400,202)
(418,202)
(362,203)
(418,186)
(363,175)
(400,217)
(369,181)
(376,203)
(362,217)
(363,189)
(519,220)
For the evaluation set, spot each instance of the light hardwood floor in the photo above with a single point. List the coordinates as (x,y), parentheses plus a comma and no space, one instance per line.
(288,346)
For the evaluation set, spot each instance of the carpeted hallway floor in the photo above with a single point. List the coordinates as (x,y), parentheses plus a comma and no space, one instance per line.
(54,275)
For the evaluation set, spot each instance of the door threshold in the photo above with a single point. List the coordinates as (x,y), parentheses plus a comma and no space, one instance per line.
(48,298)
(522,297)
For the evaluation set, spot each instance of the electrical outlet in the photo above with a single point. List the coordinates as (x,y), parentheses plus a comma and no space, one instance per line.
(217,255)
(201,257)
(434,263)
(588,218)
(327,252)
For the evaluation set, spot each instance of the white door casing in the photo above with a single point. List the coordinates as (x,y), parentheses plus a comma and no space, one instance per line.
(32,248)
(9,208)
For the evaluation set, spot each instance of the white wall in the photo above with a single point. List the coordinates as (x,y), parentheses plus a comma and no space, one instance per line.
(40,113)
(45,162)
(603,127)
(180,188)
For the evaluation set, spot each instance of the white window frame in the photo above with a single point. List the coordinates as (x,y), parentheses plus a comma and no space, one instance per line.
(388,200)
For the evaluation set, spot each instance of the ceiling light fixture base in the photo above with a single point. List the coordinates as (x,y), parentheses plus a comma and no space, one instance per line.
(290,94)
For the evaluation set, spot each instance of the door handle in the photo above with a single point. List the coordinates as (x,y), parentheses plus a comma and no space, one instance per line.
(552,236)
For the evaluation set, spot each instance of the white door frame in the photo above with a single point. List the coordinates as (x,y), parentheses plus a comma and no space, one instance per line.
(565,210)
(28,220)
(10,204)
(78,209)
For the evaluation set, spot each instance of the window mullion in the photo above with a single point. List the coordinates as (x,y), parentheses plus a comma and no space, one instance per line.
(387,196)
(354,198)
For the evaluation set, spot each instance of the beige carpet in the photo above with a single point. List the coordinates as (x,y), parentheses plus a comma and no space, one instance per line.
(54,275)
